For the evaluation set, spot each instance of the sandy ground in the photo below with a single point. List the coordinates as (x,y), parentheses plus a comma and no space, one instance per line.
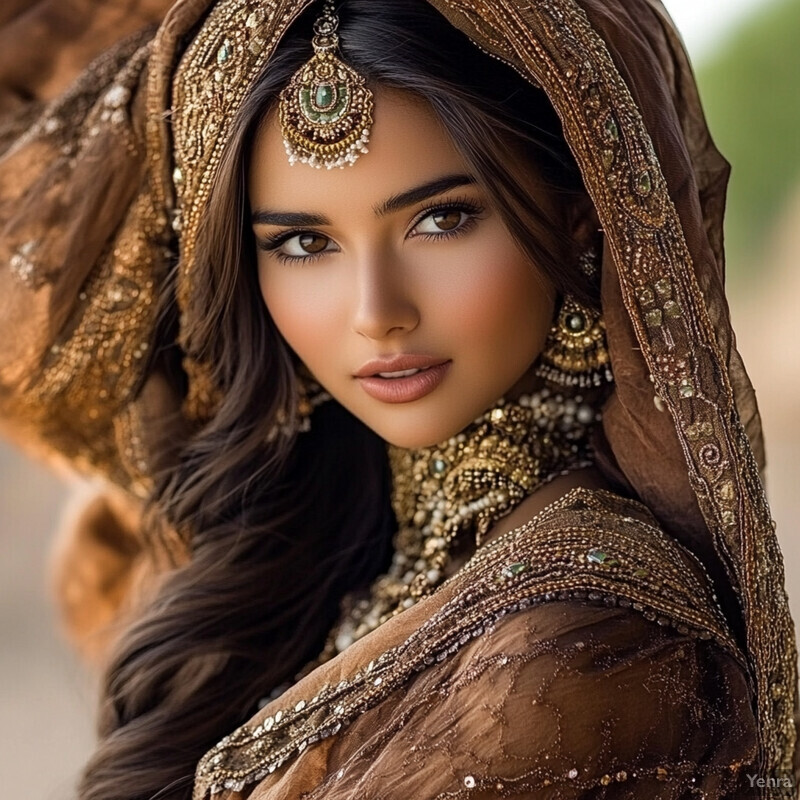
(46,698)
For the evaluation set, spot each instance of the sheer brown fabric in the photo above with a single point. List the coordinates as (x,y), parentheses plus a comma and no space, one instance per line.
(103,572)
(564,682)
(563,701)
(46,44)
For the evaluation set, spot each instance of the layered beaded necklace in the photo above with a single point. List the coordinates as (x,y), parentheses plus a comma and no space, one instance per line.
(445,495)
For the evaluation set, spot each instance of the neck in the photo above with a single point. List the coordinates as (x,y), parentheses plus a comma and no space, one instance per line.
(465,484)
(448,497)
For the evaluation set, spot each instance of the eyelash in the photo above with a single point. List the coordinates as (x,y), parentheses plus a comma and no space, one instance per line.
(271,244)
(462,204)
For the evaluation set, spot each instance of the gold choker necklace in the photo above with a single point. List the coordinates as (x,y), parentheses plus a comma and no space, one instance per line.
(444,494)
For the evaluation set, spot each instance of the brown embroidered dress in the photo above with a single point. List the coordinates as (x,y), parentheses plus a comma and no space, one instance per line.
(583,655)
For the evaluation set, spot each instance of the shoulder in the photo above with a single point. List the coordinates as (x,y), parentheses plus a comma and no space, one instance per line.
(585,649)
(567,695)
(599,549)
(581,650)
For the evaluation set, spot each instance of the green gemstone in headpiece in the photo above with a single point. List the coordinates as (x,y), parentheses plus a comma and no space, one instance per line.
(324,96)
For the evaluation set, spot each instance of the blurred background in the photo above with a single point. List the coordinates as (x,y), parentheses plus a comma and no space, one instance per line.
(747,57)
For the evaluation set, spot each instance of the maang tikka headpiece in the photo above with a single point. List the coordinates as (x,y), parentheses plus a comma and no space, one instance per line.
(326,110)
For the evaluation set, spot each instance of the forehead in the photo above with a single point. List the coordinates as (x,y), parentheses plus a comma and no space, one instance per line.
(408,146)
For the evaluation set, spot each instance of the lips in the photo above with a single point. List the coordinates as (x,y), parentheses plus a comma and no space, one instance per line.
(401,362)
(402,378)
(403,373)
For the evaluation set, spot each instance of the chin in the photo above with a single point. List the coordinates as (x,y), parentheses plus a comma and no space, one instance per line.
(407,442)
(412,434)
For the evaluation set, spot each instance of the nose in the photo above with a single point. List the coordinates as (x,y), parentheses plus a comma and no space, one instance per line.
(385,304)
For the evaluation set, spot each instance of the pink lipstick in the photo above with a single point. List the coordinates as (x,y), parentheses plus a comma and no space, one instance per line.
(402,378)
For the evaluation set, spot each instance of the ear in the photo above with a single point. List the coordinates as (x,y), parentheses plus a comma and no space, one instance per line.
(583,223)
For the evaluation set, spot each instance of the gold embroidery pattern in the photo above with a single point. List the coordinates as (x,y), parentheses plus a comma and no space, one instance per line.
(87,378)
(235,42)
(584,547)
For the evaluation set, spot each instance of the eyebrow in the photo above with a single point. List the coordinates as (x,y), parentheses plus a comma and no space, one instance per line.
(292,219)
(289,219)
(420,193)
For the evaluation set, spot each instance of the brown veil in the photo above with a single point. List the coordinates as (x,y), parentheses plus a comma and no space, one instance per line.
(104,186)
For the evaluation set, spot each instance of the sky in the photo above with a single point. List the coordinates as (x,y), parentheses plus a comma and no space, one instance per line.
(703,23)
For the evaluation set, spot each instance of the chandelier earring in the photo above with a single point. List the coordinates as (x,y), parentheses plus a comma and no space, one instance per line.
(576,353)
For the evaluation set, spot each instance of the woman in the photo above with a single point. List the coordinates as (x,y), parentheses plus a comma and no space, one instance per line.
(578,593)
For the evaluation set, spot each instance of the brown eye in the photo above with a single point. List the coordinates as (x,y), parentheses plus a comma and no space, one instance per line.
(312,243)
(305,245)
(447,220)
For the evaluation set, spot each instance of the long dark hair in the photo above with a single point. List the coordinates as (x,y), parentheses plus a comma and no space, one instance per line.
(282,529)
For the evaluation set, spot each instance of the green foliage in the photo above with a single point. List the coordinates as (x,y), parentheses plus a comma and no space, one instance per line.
(751,92)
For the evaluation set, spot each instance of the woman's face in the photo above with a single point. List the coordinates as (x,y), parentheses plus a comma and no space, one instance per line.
(394,280)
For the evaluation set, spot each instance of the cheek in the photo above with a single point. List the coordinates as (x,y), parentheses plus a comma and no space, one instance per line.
(500,302)
(301,311)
